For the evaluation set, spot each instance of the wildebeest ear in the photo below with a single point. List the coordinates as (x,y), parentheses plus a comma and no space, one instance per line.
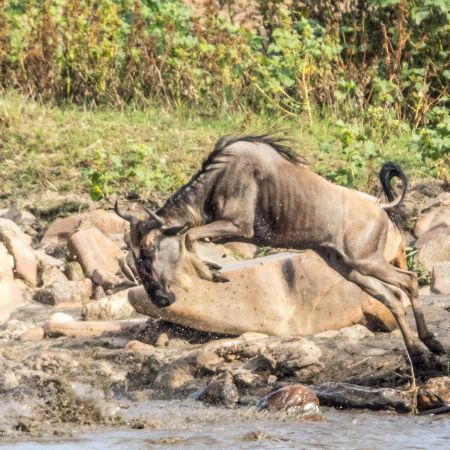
(176,230)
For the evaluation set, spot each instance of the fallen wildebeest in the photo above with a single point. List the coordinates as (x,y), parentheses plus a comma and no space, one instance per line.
(255,189)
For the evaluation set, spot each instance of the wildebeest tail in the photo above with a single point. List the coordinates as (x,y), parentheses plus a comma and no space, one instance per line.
(388,171)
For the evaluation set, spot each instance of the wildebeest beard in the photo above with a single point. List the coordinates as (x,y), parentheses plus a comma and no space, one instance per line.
(155,291)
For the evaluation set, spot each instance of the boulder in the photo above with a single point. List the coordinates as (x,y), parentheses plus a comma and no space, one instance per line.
(8,226)
(19,216)
(434,247)
(174,376)
(10,297)
(46,261)
(65,292)
(33,334)
(94,251)
(18,246)
(281,294)
(437,215)
(74,271)
(218,254)
(25,261)
(220,391)
(295,398)
(113,307)
(50,275)
(6,262)
(107,222)
(440,278)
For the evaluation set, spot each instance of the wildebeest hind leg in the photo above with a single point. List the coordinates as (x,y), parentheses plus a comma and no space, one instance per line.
(391,297)
(407,282)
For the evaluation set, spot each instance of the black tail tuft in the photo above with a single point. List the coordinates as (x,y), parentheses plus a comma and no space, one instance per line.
(388,171)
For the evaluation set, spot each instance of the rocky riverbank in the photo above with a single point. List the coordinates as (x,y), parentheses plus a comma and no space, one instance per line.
(74,353)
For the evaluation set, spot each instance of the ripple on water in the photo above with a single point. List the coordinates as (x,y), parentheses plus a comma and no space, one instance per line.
(193,425)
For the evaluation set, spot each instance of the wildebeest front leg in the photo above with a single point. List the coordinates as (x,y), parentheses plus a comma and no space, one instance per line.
(221,229)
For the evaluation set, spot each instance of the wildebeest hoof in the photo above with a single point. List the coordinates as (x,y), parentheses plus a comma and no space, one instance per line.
(433,344)
(428,363)
(212,265)
(219,277)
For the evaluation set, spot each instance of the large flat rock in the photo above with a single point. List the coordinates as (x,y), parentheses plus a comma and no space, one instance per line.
(281,294)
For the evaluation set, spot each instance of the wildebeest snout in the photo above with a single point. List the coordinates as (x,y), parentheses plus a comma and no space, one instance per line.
(158,295)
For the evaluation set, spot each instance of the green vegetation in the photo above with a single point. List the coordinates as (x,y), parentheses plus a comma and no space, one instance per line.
(152,152)
(129,95)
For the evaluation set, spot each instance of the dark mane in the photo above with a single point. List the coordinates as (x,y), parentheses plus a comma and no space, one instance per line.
(279,143)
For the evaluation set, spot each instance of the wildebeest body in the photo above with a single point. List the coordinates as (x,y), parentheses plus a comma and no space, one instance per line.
(254,189)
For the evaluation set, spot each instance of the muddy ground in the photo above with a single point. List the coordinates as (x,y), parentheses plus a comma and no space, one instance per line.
(55,385)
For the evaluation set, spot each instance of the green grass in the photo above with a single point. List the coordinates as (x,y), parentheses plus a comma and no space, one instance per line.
(153,151)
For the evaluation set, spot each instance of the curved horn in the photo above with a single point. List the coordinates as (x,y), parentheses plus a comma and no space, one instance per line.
(127,217)
(155,216)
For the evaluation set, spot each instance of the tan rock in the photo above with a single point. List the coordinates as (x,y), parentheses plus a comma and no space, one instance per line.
(208,360)
(10,297)
(282,294)
(107,222)
(112,307)
(51,275)
(138,346)
(105,280)
(242,249)
(94,251)
(434,248)
(65,292)
(9,227)
(74,271)
(174,376)
(440,278)
(6,262)
(218,254)
(45,260)
(33,334)
(25,261)
(435,216)
(163,340)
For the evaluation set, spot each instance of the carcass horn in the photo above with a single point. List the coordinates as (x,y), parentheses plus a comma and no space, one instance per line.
(127,217)
(155,216)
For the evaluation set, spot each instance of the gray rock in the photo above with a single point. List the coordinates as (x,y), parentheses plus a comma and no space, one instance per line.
(295,398)
(94,251)
(440,278)
(51,275)
(112,307)
(74,271)
(65,292)
(295,354)
(220,391)
(344,395)
(434,247)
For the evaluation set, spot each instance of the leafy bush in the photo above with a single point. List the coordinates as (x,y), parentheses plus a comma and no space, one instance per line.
(378,62)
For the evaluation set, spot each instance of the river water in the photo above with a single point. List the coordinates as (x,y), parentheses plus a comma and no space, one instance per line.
(193,425)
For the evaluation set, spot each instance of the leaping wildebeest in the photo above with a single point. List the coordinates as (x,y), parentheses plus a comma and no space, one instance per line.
(256,189)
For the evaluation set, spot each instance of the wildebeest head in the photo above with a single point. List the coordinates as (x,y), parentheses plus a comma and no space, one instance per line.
(164,257)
